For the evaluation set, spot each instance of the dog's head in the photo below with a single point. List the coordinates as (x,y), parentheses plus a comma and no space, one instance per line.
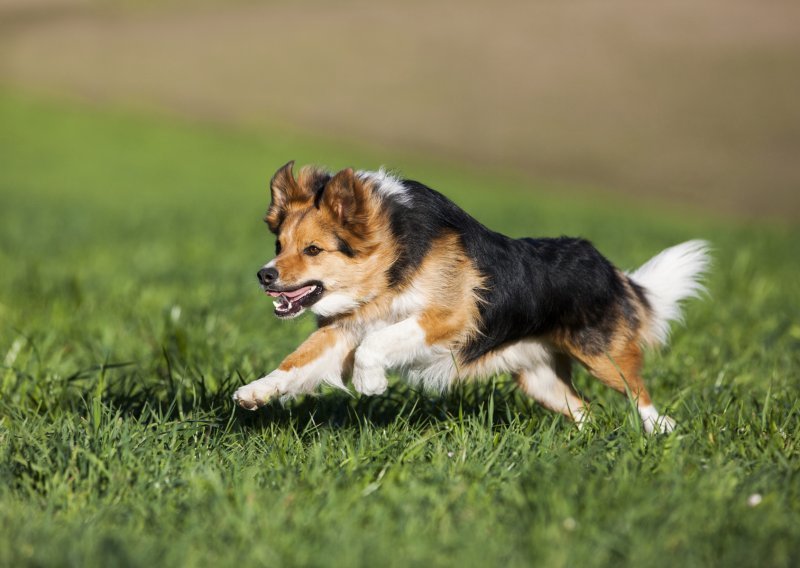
(327,228)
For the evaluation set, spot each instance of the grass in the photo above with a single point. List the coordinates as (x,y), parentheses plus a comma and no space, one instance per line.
(129,313)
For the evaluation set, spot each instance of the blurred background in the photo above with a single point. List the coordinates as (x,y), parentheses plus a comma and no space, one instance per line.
(137,138)
(692,105)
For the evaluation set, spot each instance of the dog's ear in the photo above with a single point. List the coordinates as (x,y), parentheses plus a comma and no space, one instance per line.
(285,190)
(346,198)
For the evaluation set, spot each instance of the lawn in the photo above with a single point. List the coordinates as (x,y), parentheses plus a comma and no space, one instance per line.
(129,313)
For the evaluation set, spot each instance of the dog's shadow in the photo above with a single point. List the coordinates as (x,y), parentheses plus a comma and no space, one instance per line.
(497,402)
(208,404)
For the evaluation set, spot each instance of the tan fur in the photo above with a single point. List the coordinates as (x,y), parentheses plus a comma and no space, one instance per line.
(319,341)
(619,367)
(450,282)
(366,230)
(286,195)
(447,280)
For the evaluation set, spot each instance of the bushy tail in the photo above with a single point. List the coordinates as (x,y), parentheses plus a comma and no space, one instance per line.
(668,278)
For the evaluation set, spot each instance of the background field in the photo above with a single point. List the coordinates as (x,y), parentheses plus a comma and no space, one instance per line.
(129,313)
(678,102)
(136,141)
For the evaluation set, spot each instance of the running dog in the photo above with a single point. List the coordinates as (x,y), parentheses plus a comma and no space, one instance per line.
(399,277)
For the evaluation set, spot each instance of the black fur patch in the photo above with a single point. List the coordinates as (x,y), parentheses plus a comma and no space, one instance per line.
(533,286)
(317,186)
(417,225)
(414,229)
(538,286)
(344,247)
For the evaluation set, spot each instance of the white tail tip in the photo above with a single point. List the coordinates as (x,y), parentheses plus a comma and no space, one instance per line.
(668,278)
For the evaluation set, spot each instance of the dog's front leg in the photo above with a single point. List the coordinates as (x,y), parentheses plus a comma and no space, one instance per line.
(392,346)
(320,359)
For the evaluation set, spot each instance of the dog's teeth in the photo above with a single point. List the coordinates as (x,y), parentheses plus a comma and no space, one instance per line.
(276,303)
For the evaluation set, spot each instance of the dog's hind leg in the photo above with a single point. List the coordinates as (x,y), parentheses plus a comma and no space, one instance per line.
(549,383)
(322,358)
(620,368)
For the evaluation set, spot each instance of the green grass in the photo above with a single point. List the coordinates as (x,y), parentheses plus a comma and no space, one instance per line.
(129,313)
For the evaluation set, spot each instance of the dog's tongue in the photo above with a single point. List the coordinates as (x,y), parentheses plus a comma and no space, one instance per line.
(293,294)
(299,292)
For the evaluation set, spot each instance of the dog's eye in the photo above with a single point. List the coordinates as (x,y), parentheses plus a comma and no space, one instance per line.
(312,250)
(277,248)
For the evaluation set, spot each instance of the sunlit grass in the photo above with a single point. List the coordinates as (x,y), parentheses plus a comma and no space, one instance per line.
(129,313)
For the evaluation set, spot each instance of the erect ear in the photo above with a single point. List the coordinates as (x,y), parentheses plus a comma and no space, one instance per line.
(345,196)
(284,191)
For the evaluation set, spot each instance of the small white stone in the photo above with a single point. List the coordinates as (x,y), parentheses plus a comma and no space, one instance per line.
(754,500)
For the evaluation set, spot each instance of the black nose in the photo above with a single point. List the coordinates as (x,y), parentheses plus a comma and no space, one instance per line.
(267,275)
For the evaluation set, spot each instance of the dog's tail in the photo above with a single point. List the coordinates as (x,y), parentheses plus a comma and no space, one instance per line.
(668,278)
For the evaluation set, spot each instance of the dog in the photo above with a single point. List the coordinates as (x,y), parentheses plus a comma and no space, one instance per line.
(399,277)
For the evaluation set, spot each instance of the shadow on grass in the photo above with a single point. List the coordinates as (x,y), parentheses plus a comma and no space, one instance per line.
(201,399)
(494,402)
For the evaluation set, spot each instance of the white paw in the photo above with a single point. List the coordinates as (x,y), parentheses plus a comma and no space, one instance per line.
(655,423)
(581,417)
(258,393)
(370,381)
(661,424)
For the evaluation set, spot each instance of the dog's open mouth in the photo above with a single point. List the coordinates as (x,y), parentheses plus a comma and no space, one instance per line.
(291,301)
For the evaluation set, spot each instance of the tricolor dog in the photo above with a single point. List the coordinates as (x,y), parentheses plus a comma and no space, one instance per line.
(400,278)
